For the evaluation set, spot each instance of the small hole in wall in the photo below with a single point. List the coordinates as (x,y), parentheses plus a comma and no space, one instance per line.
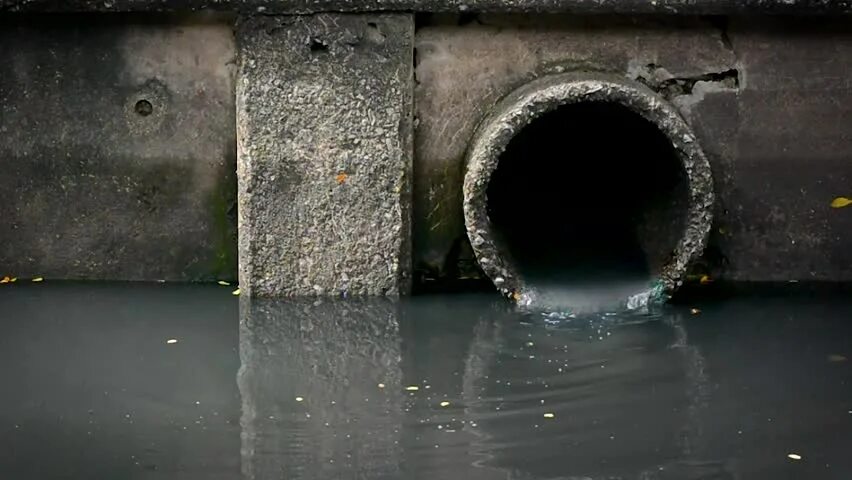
(143,108)
(374,34)
(318,46)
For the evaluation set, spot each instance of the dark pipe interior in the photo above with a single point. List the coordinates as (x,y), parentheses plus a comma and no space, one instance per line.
(588,189)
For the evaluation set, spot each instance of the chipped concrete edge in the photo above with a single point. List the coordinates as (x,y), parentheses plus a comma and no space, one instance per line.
(536,98)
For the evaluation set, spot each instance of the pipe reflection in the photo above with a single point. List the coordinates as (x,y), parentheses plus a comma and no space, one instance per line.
(467,388)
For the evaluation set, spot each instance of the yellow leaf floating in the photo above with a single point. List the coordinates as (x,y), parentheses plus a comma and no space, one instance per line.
(841,202)
(223,283)
(6,280)
(37,279)
(236,292)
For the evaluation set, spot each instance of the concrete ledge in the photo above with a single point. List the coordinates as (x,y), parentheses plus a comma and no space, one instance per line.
(682,7)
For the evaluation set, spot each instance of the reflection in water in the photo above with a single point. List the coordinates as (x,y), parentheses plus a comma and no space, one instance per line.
(321,389)
(471,388)
(93,387)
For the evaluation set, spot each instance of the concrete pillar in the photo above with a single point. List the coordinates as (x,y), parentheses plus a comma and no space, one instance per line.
(324,120)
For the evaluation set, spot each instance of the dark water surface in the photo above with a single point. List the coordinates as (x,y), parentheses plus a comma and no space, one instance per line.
(92,388)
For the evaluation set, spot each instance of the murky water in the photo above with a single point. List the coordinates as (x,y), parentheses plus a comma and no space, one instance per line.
(158,381)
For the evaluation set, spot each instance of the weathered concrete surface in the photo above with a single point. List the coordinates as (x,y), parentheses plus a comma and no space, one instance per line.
(781,147)
(768,100)
(93,186)
(321,387)
(682,7)
(463,71)
(324,162)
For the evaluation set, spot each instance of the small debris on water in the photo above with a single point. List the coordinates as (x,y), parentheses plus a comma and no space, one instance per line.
(530,344)
(223,283)
(341,178)
(794,456)
(705,279)
(841,202)
(445,404)
(549,415)
(695,311)
(37,279)
(412,388)
(381,385)
(299,399)
(236,292)
(836,358)
(171,341)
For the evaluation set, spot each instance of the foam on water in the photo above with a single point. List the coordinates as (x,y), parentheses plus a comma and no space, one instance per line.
(590,293)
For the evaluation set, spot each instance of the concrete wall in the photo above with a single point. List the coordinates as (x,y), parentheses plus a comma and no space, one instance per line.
(768,99)
(96,187)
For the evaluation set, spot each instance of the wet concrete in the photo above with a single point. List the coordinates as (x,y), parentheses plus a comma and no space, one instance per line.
(93,388)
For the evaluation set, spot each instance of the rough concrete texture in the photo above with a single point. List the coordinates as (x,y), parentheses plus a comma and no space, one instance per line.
(298,362)
(324,162)
(780,147)
(117,149)
(532,100)
(462,72)
(767,99)
(667,7)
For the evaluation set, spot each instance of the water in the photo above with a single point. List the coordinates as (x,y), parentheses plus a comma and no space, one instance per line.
(92,388)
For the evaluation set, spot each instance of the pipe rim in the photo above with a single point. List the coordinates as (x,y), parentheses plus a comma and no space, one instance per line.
(529,102)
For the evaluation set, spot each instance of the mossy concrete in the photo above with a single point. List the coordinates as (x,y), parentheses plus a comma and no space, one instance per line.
(97,185)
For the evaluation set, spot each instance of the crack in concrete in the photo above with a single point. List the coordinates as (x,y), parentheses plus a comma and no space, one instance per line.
(657,79)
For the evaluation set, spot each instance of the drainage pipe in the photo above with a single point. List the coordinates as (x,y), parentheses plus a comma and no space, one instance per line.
(545,95)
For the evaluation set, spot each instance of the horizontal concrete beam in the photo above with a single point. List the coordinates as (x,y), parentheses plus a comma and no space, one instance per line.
(677,7)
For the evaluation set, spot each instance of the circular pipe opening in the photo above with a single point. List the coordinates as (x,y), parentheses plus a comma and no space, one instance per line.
(591,183)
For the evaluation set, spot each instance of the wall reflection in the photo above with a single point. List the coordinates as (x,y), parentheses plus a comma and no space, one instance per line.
(467,388)
(321,389)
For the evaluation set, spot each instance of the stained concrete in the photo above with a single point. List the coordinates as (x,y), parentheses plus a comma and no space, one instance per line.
(463,71)
(324,163)
(665,7)
(97,185)
(767,99)
(780,146)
